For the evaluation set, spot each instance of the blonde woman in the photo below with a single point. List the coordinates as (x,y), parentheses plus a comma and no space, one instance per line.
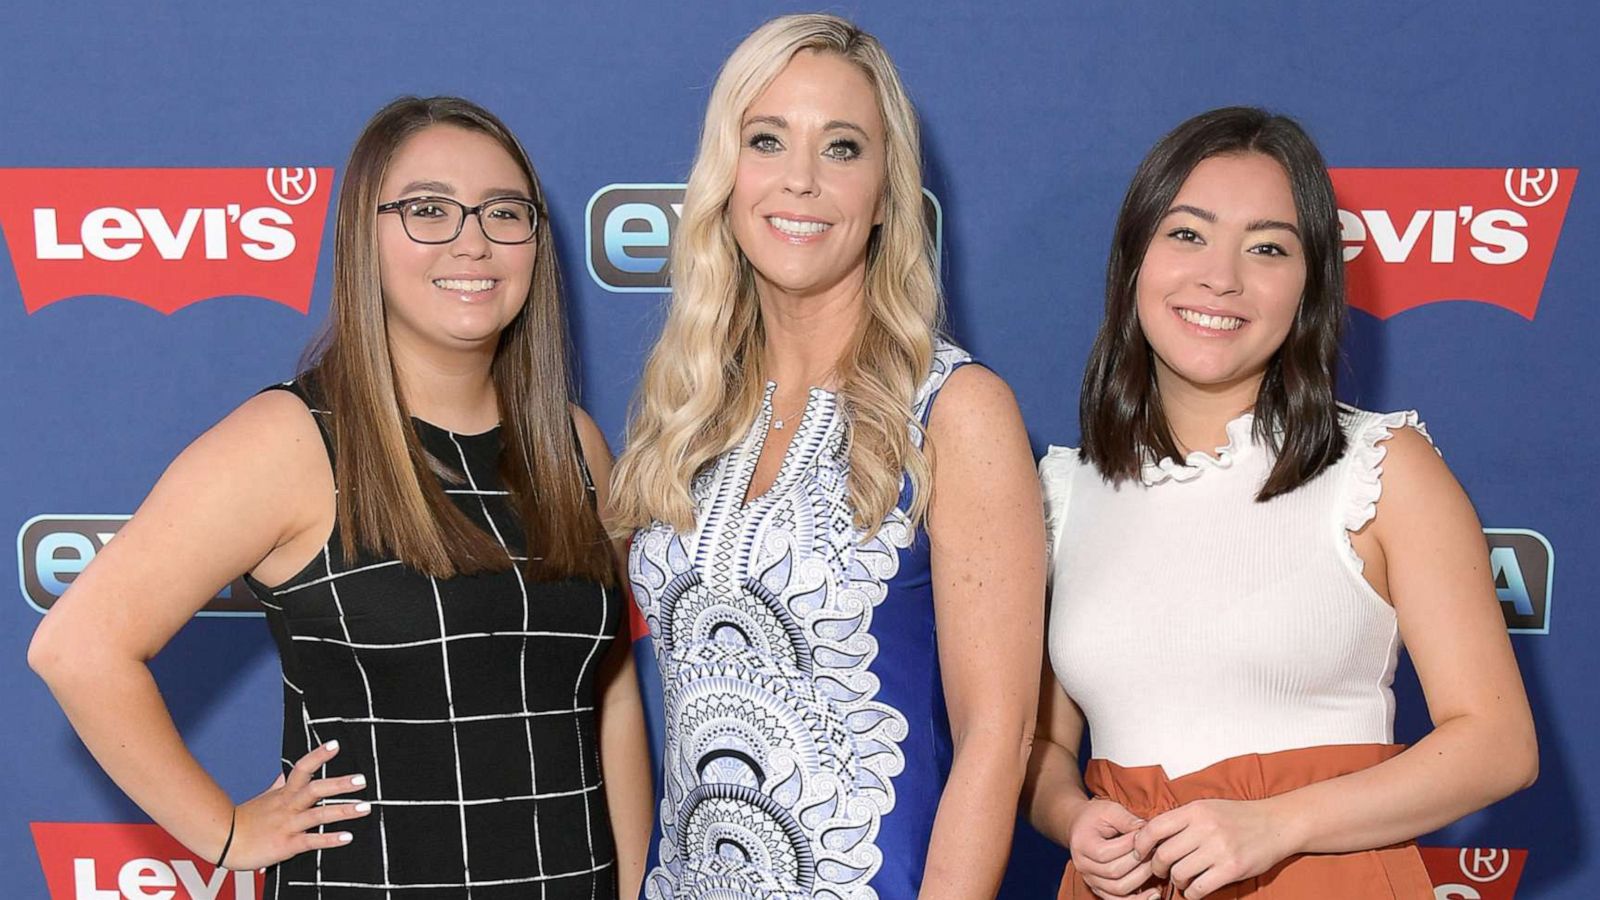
(416,514)
(840,548)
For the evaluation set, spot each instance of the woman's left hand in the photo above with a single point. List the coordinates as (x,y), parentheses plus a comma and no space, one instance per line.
(1206,844)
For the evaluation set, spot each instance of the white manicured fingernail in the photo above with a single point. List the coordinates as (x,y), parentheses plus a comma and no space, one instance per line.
(331,746)
(358,780)
(363,807)
(345,836)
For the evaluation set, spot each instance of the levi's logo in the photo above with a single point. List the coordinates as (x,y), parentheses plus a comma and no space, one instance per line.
(95,861)
(165,238)
(1419,236)
(1474,873)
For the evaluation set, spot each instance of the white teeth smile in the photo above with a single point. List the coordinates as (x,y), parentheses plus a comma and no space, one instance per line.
(798,229)
(1215,323)
(470,285)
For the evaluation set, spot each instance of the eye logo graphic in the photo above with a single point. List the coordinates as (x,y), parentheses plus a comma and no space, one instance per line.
(1523,564)
(53,549)
(1419,236)
(628,232)
(165,238)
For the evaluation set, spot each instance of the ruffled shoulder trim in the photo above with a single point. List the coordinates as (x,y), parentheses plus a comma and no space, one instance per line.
(1056,471)
(1362,482)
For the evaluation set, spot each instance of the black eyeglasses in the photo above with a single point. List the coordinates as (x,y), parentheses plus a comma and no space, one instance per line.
(438,220)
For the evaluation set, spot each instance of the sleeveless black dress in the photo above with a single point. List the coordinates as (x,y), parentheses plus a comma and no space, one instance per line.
(468,703)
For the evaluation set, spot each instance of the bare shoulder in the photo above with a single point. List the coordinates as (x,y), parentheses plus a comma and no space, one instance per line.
(271,433)
(982,462)
(1420,496)
(1413,470)
(587,429)
(1409,450)
(972,404)
(973,388)
(247,488)
(267,456)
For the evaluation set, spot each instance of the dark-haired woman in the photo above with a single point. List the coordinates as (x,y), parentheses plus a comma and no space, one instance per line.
(424,530)
(1238,559)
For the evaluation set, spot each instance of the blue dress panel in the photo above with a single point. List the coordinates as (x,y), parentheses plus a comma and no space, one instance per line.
(807,741)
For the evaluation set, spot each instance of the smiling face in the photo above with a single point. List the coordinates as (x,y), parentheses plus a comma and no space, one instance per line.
(1222,278)
(461,294)
(810,179)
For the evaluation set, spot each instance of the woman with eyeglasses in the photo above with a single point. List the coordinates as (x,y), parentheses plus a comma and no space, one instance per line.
(419,512)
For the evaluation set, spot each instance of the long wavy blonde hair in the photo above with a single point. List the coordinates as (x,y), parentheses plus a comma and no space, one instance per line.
(704,381)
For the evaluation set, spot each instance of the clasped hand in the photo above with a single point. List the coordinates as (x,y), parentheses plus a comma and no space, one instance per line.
(1199,847)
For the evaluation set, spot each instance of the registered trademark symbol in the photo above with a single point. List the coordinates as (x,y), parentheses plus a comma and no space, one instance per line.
(1532,187)
(1484,865)
(294,186)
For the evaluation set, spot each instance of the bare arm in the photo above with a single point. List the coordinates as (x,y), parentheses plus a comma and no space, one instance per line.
(186,541)
(624,744)
(1053,792)
(1425,552)
(986,529)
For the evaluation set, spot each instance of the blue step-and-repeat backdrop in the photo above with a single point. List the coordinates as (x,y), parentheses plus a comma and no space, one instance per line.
(165,178)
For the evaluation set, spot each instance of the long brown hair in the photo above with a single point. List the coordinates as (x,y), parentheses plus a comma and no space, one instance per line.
(1296,414)
(389,500)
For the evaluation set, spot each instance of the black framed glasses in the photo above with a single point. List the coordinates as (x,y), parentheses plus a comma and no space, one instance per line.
(438,220)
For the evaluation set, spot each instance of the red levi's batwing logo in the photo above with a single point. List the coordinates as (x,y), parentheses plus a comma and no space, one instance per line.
(95,861)
(1418,236)
(165,238)
(1474,873)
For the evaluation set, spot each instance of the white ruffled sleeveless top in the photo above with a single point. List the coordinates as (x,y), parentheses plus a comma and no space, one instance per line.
(1192,624)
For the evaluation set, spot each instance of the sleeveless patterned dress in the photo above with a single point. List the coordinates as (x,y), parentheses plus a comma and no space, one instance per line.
(467,702)
(807,741)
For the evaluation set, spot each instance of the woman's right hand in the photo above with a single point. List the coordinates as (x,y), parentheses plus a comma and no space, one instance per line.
(1101,841)
(281,821)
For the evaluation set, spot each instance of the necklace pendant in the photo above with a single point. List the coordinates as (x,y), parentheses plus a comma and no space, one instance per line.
(777,424)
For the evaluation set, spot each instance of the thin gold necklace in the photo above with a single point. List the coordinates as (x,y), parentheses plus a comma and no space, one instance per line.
(777,420)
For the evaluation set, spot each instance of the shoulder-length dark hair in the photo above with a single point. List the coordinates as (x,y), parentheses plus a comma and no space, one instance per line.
(389,501)
(1296,414)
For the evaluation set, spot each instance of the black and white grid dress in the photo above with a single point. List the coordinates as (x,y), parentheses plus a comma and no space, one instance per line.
(468,703)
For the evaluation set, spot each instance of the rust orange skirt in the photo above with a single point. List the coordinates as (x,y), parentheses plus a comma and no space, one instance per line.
(1390,872)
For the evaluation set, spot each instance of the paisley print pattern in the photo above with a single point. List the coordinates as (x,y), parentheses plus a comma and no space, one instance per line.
(780,757)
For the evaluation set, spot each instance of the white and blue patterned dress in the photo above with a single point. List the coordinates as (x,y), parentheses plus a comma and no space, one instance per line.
(807,741)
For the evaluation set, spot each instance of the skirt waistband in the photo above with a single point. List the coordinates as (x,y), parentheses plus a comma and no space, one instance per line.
(1385,873)
(1146,791)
